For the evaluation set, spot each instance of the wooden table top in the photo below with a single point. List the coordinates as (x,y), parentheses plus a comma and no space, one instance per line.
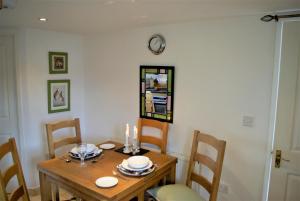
(83,178)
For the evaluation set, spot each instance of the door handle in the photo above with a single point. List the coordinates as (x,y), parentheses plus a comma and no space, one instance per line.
(278,159)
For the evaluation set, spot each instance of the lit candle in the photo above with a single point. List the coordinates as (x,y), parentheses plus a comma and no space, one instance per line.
(127,134)
(135,132)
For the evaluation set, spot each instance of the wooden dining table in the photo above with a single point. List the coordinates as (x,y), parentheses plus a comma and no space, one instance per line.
(80,180)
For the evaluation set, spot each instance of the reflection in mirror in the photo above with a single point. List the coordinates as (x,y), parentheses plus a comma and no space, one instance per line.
(156,92)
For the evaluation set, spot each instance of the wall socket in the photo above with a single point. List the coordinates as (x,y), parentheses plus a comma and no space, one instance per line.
(248,121)
(224,188)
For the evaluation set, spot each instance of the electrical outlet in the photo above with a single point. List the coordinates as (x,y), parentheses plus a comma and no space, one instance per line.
(224,188)
(248,121)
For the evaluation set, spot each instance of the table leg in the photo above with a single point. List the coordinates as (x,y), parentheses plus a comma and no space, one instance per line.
(141,196)
(172,175)
(45,187)
(55,192)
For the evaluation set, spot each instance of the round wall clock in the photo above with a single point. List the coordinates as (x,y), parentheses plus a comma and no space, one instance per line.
(156,44)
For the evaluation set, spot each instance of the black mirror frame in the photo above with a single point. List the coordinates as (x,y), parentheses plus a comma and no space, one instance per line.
(168,107)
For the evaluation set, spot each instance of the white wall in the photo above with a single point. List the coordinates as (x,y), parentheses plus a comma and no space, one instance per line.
(223,70)
(32,75)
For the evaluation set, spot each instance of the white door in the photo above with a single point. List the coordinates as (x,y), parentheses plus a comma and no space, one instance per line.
(285,179)
(8,114)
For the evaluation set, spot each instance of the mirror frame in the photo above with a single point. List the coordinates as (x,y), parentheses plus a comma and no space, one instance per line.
(168,111)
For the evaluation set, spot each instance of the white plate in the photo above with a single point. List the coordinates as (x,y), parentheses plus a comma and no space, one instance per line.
(106,182)
(136,174)
(90,148)
(138,162)
(96,152)
(107,146)
(125,165)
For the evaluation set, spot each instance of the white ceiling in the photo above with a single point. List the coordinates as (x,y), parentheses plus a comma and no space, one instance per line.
(96,16)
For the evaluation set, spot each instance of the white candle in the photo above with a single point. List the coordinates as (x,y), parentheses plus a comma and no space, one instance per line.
(135,132)
(127,133)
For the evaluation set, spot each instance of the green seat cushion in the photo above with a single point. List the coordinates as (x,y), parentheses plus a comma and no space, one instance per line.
(174,192)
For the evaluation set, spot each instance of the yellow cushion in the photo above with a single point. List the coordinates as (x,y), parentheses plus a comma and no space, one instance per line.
(174,192)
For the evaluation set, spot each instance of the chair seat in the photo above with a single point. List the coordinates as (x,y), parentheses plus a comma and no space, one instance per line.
(174,192)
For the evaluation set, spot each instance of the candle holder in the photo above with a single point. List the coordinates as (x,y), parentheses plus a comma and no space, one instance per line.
(135,146)
(127,149)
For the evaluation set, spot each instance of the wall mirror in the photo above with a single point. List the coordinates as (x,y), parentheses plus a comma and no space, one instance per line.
(157,92)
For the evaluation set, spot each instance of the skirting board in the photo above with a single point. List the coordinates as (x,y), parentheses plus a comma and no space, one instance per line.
(34,191)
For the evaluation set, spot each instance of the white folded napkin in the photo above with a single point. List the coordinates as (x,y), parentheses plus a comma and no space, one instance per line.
(90,149)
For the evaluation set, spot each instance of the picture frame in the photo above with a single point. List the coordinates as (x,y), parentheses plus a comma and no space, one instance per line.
(58,96)
(157,92)
(58,62)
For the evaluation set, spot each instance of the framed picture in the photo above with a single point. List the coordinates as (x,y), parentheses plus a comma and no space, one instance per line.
(58,96)
(157,92)
(58,62)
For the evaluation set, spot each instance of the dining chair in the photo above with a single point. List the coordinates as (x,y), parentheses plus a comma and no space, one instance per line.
(14,170)
(53,145)
(161,141)
(53,127)
(178,192)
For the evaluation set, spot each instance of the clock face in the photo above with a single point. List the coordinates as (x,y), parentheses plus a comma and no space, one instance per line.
(157,44)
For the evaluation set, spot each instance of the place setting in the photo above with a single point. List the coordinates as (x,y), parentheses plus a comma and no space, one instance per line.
(84,151)
(136,166)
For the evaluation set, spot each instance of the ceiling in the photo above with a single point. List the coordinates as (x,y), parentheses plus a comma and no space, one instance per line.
(97,16)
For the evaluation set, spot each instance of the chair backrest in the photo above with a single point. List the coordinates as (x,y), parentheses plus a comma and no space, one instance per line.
(52,127)
(9,173)
(162,126)
(214,165)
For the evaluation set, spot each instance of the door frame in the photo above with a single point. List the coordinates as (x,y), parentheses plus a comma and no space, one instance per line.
(273,107)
